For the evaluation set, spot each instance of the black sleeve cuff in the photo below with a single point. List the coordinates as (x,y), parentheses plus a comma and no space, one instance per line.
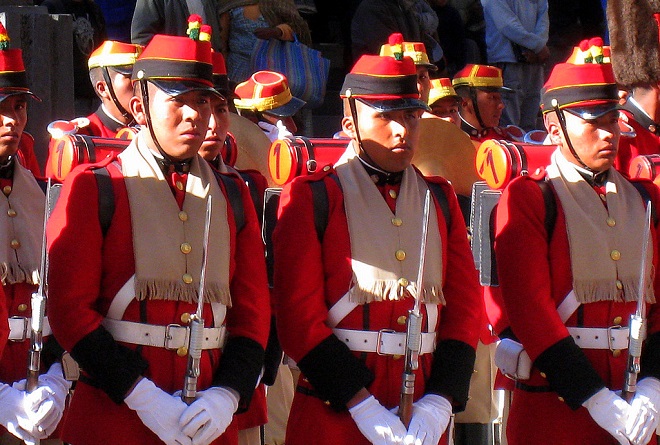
(334,372)
(51,353)
(508,333)
(113,367)
(273,356)
(569,372)
(650,361)
(453,364)
(240,367)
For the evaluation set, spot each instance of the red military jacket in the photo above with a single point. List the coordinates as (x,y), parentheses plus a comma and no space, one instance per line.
(87,269)
(311,276)
(510,133)
(535,276)
(100,124)
(645,142)
(26,154)
(4,327)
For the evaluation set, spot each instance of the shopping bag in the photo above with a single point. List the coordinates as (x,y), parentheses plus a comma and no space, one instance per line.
(304,67)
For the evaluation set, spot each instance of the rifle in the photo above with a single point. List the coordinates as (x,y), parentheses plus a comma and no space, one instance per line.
(414,330)
(637,322)
(196,338)
(38,306)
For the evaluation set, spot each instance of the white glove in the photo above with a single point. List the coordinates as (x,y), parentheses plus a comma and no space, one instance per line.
(54,393)
(209,415)
(20,411)
(159,411)
(376,423)
(610,412)
(644,417)
(430,417)
(274,132)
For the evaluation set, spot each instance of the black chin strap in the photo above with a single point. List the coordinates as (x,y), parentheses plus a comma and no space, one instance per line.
(475,106)
(354,115)
(128,117)
(562,124)
(145,104)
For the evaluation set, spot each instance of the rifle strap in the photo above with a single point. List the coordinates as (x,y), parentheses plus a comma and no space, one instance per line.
(106,198)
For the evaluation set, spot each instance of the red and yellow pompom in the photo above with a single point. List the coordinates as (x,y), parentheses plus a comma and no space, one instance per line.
(194,25)
(4,38)
(396,44)
(205,33)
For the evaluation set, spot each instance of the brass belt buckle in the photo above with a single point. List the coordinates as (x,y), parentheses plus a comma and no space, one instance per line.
(26,328)
(379,340)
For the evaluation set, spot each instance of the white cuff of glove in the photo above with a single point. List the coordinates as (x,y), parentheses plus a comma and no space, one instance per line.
(377,423)
(610,412)
(644,418)
(430,417)
(15,415)
(209,415)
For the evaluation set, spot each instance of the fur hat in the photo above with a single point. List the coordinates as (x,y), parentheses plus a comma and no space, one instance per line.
(634,41)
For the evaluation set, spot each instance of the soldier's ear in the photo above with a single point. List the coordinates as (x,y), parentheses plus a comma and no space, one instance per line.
(137,110)
(348,125)
(101,89)
(553,128)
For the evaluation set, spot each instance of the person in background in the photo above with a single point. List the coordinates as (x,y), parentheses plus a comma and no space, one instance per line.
(516,37)
(481,89)
(444,102)
(266,100)
(110,68)
(245,21)
(118,15)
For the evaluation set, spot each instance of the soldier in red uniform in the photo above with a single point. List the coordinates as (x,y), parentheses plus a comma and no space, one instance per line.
(567,293)
(480,88)
(26,416)
(635,49)
(110,67)
(122,306)
(346,265)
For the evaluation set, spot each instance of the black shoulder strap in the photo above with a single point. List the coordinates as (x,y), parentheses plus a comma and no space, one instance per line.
(254,192)
(550,207)
(441,197)
(106,198)
(320,204)
(646,197)
(234,197)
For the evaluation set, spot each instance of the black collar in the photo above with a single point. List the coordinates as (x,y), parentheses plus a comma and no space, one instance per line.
(7,168)
(641,117)
(108,121)
(381,177)
(168,166)
(472,131)
(595,179)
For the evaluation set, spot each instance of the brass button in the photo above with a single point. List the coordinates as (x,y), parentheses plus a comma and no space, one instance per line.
(326,403)
(401,320)
(187,278)
(182,351)
(616,353)
(6,190)
(619,284)
(183,216)
(11,213)
(397,222)
(561,399)
(611,222)
(22,307)
(602,196)
(615,255)
(15,244)
(179,185)
(403,282)
(396,357)
(185,318)
(617,320)
(326,168)
(393,194)
(543,375)
(186,248)
(400,255)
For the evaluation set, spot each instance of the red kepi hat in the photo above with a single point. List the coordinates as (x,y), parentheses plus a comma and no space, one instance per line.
(13,79)
(177,64)
(585,86)
(384,83)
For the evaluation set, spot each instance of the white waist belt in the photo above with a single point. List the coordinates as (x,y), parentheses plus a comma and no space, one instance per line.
(383,342)
(612,338)
(172,336)
(19,328)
